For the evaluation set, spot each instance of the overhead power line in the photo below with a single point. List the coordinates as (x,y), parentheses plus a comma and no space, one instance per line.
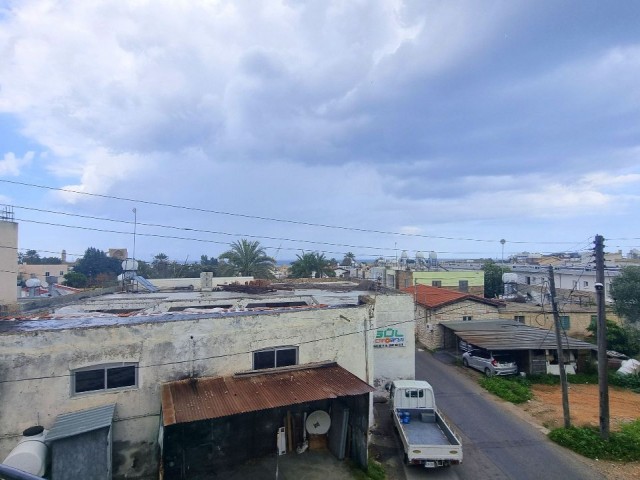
(271,219)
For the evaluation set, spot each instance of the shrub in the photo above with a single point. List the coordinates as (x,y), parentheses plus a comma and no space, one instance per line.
(514,390)
(631,382)
(622,446)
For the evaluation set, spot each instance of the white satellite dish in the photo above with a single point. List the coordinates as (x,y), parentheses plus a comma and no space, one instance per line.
(318,422)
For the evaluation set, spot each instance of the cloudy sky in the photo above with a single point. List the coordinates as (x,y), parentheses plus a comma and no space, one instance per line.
(362,126)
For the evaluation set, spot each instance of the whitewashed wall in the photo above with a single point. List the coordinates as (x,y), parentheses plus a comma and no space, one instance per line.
(35,366)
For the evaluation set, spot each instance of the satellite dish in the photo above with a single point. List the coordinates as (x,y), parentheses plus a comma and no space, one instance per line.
(318,422)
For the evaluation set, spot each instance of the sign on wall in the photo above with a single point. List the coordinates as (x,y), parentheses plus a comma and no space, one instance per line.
(388,337)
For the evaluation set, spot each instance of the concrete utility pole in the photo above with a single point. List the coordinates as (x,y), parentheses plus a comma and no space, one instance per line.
(563,373)
(603,380)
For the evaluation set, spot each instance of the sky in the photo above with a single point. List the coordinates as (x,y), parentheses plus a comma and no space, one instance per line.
(331,126)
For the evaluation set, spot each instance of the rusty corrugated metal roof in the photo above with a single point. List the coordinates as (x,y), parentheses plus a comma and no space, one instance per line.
(205,398)
(512,335)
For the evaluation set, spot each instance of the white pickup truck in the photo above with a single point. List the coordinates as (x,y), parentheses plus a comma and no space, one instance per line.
(426,437)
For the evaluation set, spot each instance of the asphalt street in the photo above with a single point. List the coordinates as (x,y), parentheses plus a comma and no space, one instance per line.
(497,444)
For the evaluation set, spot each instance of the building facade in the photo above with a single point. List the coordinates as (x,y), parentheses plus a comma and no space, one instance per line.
(82,360)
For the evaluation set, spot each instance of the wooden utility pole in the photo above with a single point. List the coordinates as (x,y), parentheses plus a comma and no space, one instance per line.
(603,381)
(563,373)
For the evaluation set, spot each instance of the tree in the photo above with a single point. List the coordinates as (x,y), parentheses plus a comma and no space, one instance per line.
(621,338)
(349,259)
(95,262)
(246,258)
(625,291)
(493,286)
(160,265)
(75,280)
(311,264)
(30,257)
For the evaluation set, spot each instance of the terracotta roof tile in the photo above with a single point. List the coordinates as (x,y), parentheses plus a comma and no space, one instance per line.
(435,297)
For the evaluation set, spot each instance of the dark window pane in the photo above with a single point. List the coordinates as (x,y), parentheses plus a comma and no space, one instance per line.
(286,357)
(89,380)
(266,359)
(121,377)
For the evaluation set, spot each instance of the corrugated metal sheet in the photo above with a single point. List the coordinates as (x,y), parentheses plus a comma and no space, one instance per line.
(74,423)
(511,335)
(205,398)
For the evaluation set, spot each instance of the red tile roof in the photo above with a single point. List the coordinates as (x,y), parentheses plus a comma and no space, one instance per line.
(435,297)
(213,397)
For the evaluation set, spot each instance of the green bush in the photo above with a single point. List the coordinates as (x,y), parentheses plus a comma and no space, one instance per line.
(622,446)
(544,379)
(631,382)
(514,390)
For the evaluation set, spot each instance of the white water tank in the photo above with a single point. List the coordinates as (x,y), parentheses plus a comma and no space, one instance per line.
(30,455)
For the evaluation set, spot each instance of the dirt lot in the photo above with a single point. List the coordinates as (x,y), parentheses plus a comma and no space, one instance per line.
(584,407)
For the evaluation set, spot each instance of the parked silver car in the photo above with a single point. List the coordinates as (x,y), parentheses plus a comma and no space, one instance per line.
(490,363)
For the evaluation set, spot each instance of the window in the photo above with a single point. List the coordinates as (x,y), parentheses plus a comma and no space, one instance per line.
(463,285)
(466,318)
(436,283)
(565,322)
(528,280)
(46,274)
(519,318)
(414,393)
(585,284)
(62,273)
(275,357)
(105,377)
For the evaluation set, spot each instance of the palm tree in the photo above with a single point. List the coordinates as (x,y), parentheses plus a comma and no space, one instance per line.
(246,258)
(349,259)
(311,264)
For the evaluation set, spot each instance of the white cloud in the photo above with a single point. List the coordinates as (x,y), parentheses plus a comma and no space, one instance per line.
(11,165)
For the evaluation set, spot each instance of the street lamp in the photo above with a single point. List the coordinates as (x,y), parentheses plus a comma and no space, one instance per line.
(503,241)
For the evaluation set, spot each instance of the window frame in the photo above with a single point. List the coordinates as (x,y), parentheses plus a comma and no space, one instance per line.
(519,318)
(467,318)
(275,351)
(105,367)
(565,322)
(436,283)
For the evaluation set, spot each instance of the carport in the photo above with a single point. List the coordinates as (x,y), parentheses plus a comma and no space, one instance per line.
(211,425)
(533,348)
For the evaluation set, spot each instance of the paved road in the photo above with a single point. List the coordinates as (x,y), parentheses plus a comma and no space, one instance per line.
(497,444)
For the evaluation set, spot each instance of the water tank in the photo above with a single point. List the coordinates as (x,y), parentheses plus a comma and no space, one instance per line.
(404,255)
(32,283)
(130,265)
(510,277)
(30,455)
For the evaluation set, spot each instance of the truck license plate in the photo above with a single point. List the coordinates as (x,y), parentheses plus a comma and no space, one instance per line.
(429,464)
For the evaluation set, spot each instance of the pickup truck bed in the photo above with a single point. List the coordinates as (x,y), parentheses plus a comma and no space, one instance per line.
(420,433)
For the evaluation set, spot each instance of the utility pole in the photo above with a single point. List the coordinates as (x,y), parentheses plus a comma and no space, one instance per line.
(603,381)
(563,373)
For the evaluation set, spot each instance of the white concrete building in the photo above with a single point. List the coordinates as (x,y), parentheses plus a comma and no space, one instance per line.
(84,357)
(578,279)
(8,260)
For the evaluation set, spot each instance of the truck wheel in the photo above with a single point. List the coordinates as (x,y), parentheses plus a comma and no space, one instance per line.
(465,362)
(487,372)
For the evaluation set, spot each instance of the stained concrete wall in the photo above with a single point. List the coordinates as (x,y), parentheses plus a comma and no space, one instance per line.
(8,264)
(36,366)
(394,342)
